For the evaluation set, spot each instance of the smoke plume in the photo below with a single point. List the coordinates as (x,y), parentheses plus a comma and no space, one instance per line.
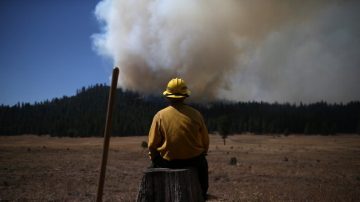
(240,50)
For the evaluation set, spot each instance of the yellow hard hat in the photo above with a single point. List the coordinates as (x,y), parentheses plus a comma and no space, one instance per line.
(176,88)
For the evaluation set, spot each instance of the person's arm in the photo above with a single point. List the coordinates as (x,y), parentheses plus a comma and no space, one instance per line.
(155,137)
(204,135)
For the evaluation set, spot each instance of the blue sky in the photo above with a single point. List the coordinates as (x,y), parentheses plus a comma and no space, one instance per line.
(46,49)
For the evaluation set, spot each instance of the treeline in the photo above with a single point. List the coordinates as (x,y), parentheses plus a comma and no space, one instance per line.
(84,115)
(260,118)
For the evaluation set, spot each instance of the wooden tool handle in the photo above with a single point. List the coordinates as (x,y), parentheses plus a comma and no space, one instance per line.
(107,132)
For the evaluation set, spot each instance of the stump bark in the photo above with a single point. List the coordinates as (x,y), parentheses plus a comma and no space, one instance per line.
(170,185)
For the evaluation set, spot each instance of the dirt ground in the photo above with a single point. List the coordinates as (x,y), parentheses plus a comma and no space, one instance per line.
(267,168)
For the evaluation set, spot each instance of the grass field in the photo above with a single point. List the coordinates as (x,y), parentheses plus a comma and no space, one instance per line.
(268,168)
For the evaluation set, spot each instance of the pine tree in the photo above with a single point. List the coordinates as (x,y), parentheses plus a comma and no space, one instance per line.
(224,127)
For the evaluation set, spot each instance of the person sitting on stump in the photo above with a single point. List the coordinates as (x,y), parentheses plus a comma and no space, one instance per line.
(178,137)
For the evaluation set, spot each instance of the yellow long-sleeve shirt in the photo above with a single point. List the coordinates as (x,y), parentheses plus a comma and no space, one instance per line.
(178,132)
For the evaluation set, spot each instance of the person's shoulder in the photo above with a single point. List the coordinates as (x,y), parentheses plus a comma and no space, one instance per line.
(162,111)
(193,110)
(190,108)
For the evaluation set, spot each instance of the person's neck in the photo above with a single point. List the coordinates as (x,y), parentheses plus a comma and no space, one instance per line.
(176,103)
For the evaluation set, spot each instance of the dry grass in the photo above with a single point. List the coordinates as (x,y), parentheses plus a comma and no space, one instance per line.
(268,168)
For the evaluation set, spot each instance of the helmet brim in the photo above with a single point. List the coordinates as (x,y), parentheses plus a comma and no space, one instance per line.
(171,95)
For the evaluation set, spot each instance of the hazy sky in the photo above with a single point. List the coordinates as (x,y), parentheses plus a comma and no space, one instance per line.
(286,51)
(270,50)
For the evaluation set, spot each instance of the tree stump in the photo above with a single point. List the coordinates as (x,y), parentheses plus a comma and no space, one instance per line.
(170,185)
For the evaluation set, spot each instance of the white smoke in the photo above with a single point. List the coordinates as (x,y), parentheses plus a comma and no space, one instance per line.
(241,50)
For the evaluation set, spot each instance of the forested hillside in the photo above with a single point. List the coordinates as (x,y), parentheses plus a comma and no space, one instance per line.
(84,115)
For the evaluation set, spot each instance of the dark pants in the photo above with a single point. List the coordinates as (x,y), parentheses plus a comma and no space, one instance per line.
(199,163)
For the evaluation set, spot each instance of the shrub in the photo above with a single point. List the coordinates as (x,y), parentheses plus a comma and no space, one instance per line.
(144,144)
(233,161)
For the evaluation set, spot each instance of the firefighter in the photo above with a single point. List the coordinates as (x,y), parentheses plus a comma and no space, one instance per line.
(178,137)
